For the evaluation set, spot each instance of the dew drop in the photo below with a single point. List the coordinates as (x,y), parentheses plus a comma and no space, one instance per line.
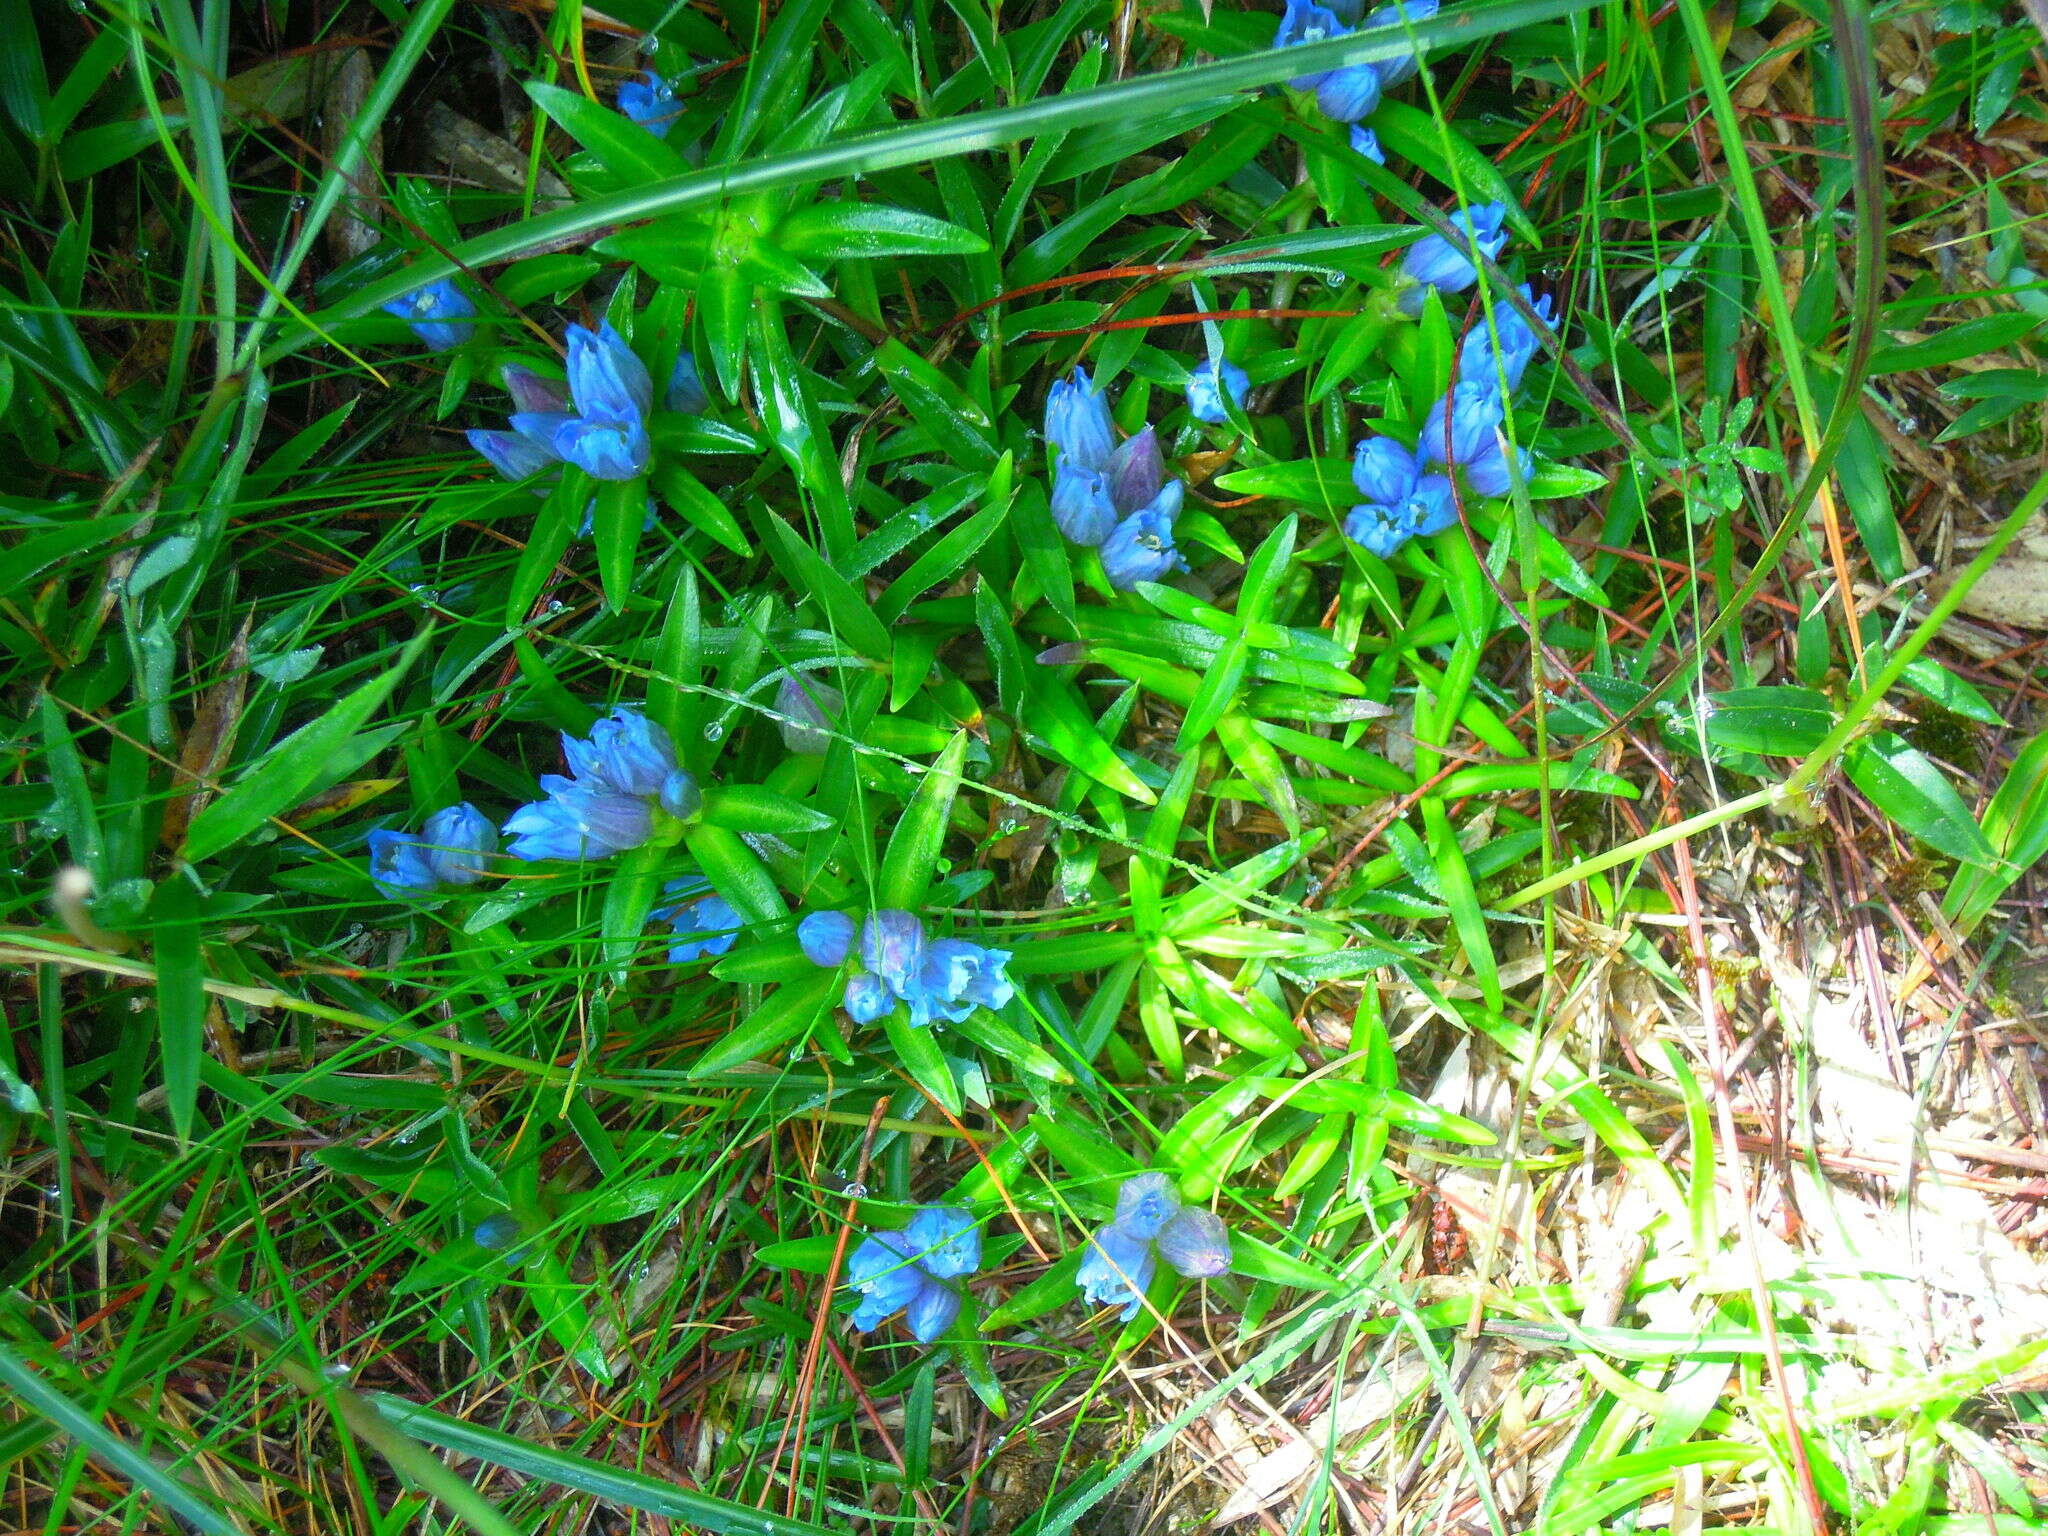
(299,204)
(715,731)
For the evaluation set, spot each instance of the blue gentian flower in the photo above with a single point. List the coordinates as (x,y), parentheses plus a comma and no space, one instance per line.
(1150,1224)
(1081,503)
(625,751)
(947,1242)
(1346,95)
(1306,22)
(500,1229)
(935,979)
(685,392)
(1474,412)
(577,821)
(1117,1270)
(439,314)
(1141,547)
(451,849)
(613,394)
(1385,528)
(710,922)
(1402,502)
(1434,262)
(1206,395)
(1077,421)
(1476,446)
(1195,1242)
(541,404)
(892,948)
(620,774)
(1367,143)
(826,937)
(1394,71)
(956,978)
(1137,471)
(1383,470)
(867,998)
(1505,347)
(908,1271)
(1488,473)
(651,102)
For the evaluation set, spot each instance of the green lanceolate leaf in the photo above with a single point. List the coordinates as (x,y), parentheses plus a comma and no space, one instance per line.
(1903,782)
(837,231)
(294,768)
(912,862)
(788,1014)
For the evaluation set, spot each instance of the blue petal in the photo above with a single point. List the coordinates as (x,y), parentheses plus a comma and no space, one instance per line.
(606,449)
(577,821)
(606,378)
(1077,421)
(511,454)
(1083,505)
(626,752)
(685,392)
(931,1311)
(946,1241)
(1383,470)
(1349,94)
(714,922)
(1206,397)
(1116,1270)
(1145,1203)
(1141,547)
(1136,472)
(868,998)
(880,1269)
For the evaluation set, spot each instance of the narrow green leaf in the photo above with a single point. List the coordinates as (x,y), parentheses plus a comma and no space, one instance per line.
(790,1012)
(842,230)
(1902,782)
(180,998)
(915,847)
(621,145)
(305,760)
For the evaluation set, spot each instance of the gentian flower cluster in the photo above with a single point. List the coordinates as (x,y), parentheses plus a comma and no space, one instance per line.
(606,431)
(439,314)
(705,925)
(620,776)
(449,850)
(935,978)
(910,1271)
(651,102)
(1408,492)
(1401,502)
(1112,497)
(1350,94)
(1150,1224)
